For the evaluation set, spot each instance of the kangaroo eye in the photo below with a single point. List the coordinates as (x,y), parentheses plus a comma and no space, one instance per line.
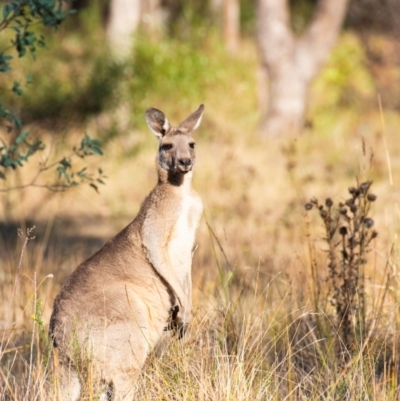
(192,145)
(166,146)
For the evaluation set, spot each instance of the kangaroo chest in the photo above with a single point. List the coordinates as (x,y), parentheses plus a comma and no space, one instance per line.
(183,234)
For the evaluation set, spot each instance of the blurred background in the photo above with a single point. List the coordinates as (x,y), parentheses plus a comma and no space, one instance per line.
(301,99)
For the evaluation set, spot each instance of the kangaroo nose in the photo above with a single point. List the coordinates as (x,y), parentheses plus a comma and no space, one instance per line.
(186,162)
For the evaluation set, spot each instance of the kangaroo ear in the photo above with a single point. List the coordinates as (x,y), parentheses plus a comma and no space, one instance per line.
(193,121)
(157,122)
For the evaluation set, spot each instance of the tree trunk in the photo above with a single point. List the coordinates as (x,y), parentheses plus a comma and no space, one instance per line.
(231,24)
(152,16)
(292,63)
(122,24)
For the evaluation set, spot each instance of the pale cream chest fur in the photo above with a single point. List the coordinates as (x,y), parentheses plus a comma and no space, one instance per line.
(183,235)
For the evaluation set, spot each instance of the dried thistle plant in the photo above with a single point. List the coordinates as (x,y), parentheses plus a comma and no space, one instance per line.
(349,232)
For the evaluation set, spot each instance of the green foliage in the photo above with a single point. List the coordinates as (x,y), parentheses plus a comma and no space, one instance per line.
(247,17)
(345,80)
(187,17)
(82,85)
(19,151)
(21,16)
(301,13)
(89,147)
(69,178)
(345,85)
(172,69)
(26,20)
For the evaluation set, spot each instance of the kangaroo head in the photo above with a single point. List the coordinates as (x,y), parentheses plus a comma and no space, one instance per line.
(176,152)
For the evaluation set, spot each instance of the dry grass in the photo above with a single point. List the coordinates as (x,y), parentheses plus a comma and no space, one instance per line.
(264,326)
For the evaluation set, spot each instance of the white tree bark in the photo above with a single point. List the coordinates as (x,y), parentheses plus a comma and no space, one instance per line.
(292,63)
(122,24)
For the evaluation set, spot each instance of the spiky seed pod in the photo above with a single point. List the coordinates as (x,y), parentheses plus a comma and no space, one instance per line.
(308,206)
(374,234)
(323,213)
(328,202)
(343,230)
(371,197)
(353,208)
(350,202)
(352,190)
(364,187)
(343,210)
(368,222)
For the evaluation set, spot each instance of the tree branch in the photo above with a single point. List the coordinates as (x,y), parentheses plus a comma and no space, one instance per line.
(275,37)
(315,44)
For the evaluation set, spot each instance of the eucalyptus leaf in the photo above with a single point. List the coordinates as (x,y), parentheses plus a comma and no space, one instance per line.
(23,17)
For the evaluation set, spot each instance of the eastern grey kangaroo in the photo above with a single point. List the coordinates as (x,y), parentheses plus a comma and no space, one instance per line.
(121,302)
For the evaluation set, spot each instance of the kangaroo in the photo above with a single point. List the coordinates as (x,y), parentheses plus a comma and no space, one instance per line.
(137,290)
